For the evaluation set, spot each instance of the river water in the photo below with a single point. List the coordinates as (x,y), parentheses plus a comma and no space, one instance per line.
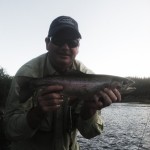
(126,127)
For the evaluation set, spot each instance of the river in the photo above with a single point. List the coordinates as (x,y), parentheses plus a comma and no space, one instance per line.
(126,127)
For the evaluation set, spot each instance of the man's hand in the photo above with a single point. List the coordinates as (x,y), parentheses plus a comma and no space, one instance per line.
(50,98)
(98,101)
(106,97)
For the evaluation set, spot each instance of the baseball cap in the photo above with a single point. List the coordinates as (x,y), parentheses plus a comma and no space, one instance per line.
(64,23)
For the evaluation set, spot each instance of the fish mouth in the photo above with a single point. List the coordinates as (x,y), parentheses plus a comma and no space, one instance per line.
(130,89)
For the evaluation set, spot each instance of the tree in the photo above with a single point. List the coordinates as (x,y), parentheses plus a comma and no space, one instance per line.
(5,82)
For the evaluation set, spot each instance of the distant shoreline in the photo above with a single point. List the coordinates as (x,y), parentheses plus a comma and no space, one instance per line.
(131,99)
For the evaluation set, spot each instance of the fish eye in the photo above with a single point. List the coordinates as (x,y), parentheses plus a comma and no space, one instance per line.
(124,82)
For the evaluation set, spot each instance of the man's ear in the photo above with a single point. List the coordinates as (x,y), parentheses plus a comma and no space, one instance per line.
(47,40)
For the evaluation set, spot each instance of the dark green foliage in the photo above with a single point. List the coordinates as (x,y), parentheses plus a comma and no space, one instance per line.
(142,92)
(142,87)
(5,82)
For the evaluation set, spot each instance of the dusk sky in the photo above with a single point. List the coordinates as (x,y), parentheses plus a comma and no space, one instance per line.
(115,33)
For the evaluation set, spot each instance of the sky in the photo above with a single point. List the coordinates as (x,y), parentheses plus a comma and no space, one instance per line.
(115,33)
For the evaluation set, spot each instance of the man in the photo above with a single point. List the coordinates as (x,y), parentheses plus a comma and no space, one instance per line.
(50,121)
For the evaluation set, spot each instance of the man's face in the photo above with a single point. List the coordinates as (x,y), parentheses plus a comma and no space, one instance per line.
(62,51)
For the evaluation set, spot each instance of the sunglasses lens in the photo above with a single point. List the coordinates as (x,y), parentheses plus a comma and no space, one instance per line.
(71,43)
(57,42)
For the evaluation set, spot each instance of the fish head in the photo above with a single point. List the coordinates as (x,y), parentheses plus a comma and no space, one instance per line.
(128,86)
(124,85)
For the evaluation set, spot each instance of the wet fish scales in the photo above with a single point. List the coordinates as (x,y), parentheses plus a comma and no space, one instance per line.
(75,85)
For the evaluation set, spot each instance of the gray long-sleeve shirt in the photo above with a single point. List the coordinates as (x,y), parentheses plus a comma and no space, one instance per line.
(51,134)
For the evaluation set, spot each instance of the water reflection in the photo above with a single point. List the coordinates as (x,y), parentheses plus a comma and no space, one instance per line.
(126,127)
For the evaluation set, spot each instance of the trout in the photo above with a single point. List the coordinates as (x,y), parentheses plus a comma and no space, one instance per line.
(74,84)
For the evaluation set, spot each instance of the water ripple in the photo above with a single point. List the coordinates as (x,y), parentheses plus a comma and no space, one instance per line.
(126,127)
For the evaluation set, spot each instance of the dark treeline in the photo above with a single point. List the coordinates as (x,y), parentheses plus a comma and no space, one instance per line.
(142,87)
(141,93)
(5,82)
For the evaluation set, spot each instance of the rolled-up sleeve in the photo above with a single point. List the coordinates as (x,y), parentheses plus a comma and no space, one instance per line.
(91,127)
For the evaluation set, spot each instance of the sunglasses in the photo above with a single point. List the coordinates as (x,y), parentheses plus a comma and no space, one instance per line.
(61,42)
